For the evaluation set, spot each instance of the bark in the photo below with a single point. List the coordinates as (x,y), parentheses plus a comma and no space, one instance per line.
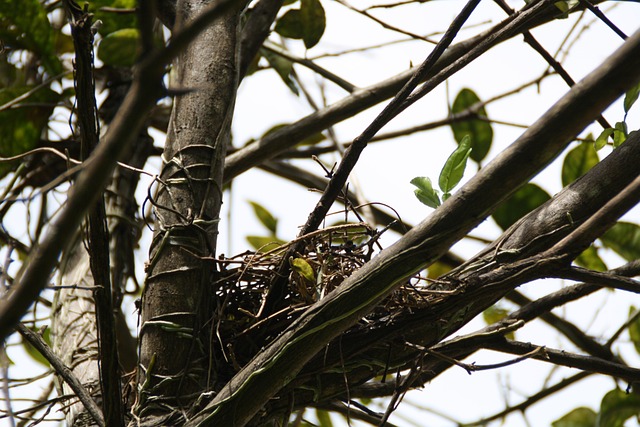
(175,348)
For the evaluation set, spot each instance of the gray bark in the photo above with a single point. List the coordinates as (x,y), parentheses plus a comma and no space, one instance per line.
(174,364)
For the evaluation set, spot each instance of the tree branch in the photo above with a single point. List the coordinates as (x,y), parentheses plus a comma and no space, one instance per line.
(279,362)
(61,369)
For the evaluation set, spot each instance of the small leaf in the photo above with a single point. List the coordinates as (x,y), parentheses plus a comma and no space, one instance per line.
(425,192)
(264,243)
(617,407)
(111,21)
(31,350)
(603,138)
(290,25)
(620,134)
(307,23)
(631,97)
(495,314)
(523,201)
(304,269)
(480,131)
(624,239)
(579,417)
(577,162)
(120,48)
(314,22)
(283,67)
(453,169)
(634,329)
(265,217)
(324,420)
(591,260)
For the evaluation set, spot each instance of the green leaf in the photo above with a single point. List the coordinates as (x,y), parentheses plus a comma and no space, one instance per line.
(31,350)
(24,25)
(22,126)
(290,25)
(480,131)
(307,23)
(304,269)
(620,134)
(577,162)
(112,21)
(624,239)
(324,420)
(453,169)
(283,67)
(523,201)
(617,407)
(120,48)
(603,138)
(314,21)
(495,314)
(634,329)
(264,243)
(631,97)
(579,417)
(265,217)
(425,192)
(591,260)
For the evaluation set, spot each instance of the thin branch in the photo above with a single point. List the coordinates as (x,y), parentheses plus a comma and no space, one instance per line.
(339,81)
(384,24)
(599,278)
(557,67)
(570,360)
(530,401)
(61,369)
(597,12)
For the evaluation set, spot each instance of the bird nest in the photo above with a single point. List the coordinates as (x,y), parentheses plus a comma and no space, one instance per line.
(324,260)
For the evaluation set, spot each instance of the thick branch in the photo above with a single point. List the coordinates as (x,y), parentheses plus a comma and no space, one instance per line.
(542,142)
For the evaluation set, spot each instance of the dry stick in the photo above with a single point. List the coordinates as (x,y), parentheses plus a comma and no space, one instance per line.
(522,407)
(98,237)
(277,288)
(597,12)
(96,171)
(384,24)
(339,81)
(61,369)
(564,358)
(557,67)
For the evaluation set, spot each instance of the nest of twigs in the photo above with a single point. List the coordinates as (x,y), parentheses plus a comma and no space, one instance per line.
(327,258)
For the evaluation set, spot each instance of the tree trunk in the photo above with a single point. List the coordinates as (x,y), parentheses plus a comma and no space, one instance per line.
(176,330)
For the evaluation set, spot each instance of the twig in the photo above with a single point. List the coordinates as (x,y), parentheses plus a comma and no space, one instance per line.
(597,12)
(565,358)
(349,87)
(521,407)
(384,24)
(558,68)
(61,369)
